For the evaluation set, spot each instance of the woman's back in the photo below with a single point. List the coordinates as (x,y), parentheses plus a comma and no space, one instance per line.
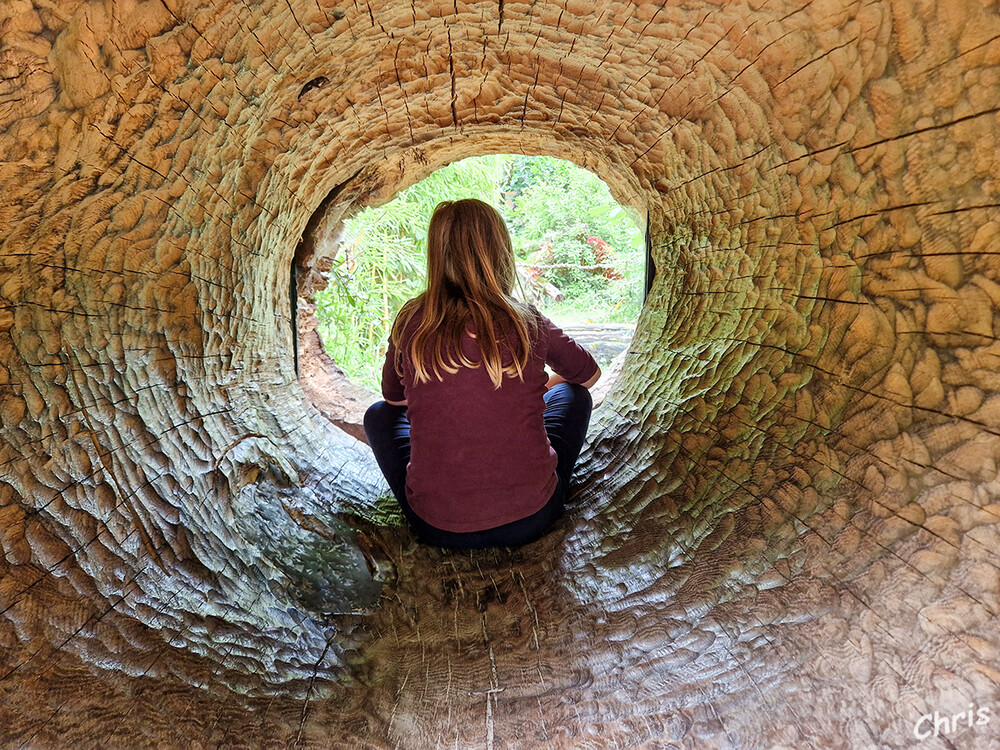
(476,446)
(480,455)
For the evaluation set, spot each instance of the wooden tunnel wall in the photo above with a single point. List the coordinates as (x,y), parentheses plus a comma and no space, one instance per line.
(785,528)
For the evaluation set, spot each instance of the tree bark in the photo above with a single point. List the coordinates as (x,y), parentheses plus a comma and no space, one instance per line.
(783,530)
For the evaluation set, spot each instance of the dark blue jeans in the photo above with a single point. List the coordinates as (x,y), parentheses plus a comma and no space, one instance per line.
(566,415)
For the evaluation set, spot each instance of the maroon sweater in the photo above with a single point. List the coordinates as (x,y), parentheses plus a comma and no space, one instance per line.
(479,456)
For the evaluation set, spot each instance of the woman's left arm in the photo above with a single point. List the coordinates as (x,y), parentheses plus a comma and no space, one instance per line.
(566,356)
(556,379)
(593,380)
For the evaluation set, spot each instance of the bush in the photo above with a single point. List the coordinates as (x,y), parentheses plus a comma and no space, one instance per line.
(381,263)
(566,230)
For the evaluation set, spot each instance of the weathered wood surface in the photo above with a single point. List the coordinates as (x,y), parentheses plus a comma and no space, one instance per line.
(338,398)
(785,530)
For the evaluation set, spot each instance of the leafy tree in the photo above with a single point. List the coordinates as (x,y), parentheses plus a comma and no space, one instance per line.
(565,227)
(381,263)
(569,229)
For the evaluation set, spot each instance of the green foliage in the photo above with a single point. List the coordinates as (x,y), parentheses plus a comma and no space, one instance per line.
(381,264)
(565,227)
(554,206)
(370,280)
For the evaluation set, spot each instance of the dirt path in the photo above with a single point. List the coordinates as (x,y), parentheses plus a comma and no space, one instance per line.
(604,340)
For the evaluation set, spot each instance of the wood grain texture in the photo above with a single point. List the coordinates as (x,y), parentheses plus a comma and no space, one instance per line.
(785,528)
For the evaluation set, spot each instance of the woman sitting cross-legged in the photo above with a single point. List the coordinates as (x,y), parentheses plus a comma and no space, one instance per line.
(475,441)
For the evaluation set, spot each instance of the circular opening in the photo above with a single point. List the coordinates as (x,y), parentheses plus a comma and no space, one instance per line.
(581,259)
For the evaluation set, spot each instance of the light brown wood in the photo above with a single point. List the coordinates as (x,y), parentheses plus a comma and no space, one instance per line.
(785,528)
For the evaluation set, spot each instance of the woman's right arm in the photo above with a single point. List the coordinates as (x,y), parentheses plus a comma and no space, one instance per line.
(392,384)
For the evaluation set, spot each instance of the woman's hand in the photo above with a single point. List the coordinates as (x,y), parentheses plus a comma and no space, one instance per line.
(555,379)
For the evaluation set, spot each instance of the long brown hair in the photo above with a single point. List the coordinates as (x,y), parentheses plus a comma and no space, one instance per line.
(470,278)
